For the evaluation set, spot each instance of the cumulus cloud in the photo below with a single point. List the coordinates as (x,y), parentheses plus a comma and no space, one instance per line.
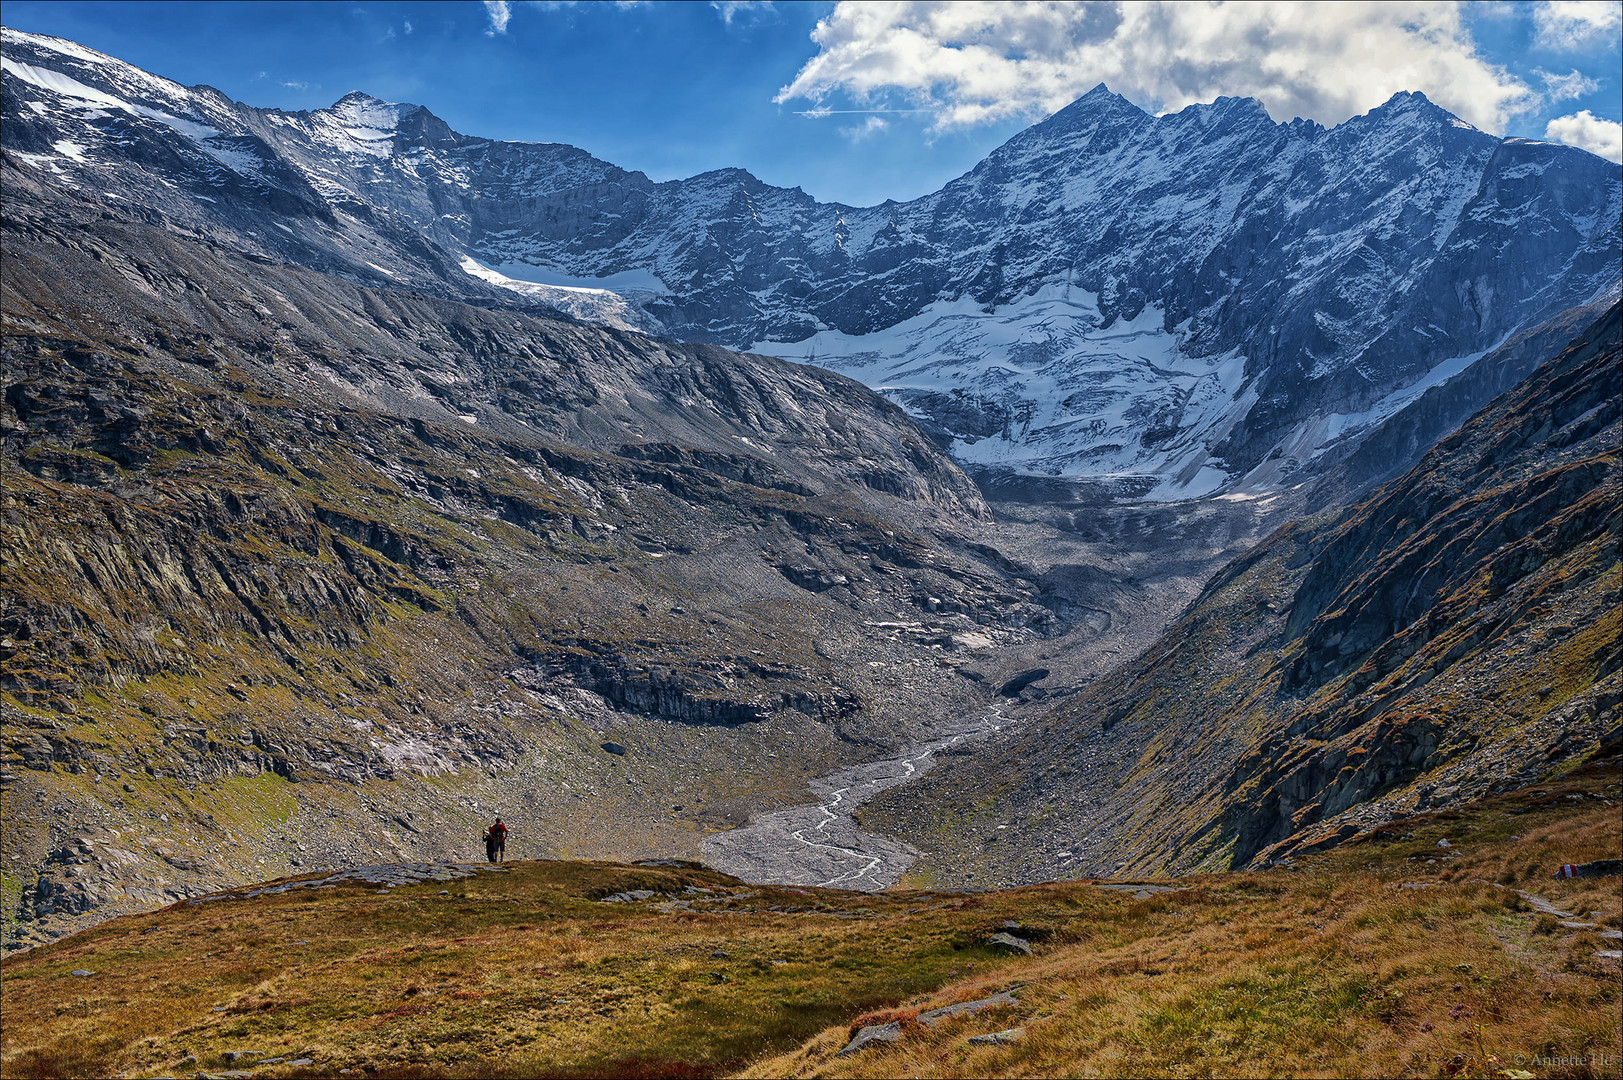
(1586,130)
(972,62)
(1577,25)
(498,12)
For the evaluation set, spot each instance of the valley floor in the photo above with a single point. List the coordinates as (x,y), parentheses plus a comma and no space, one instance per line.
(1392,955)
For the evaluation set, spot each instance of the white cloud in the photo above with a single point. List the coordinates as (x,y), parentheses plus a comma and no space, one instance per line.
(1577,25)
(1565,87)
(972,62)
(499,13)
(1586,130)
(731,9)
(873,125)
(296,85)
(407,26)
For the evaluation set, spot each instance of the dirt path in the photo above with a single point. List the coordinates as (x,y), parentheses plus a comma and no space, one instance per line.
(821,844)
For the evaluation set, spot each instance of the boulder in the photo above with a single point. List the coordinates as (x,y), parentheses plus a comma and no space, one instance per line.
(887,1033)
(1013,944)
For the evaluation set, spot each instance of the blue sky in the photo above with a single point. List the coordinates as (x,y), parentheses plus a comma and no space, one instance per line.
(861,103)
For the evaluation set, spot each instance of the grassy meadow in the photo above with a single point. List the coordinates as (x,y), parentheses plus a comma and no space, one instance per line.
(1388,956)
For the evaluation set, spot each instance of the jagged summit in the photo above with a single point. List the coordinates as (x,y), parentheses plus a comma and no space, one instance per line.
(1100,99)
(359,106)
(362,98)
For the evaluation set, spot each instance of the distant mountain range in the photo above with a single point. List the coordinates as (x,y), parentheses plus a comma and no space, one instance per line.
(1185,304)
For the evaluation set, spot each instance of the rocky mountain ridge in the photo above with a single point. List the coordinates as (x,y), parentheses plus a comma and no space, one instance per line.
(1201,299)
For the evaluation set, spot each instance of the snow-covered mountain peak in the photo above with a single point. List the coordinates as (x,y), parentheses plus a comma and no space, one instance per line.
(1204,286)
(362,109)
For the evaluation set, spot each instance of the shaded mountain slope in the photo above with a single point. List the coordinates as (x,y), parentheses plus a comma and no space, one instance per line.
(1456,632)
(1397,444)
(264,526)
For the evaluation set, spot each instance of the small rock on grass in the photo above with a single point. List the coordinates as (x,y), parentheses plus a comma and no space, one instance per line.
(1010,942)
(997,1038)
(887,1033)
(634,895)
(947,1012)
(82,973)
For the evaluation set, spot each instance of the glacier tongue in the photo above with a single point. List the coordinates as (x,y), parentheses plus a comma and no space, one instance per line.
(596,305)
(1045,385)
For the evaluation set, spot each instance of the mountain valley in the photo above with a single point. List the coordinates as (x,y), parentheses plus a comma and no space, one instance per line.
(1173,512)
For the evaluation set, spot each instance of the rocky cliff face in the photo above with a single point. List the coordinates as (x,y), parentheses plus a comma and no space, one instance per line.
(1456,633)
(1397,444)
(1203,298)
(300,570)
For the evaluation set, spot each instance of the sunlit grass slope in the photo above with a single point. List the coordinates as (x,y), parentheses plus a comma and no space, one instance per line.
(1389,956)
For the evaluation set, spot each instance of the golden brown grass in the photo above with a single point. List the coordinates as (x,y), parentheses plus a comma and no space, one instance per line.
(1334,967)
(1387,957)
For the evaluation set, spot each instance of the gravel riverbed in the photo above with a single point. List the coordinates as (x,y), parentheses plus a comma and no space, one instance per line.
(821,844)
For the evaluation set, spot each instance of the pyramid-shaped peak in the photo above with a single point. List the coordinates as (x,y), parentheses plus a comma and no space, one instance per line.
(364,110)
(1411,107)
(1100,97)
(1097,105)
(1410,101)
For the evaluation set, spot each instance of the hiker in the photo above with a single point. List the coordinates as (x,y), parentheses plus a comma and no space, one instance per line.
(496,841)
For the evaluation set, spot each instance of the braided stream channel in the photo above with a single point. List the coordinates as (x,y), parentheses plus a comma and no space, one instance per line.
(821,844)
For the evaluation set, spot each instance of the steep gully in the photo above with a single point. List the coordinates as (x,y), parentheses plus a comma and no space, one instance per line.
(822,844)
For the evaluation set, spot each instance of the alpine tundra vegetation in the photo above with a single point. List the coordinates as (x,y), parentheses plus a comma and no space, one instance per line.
(1152,606)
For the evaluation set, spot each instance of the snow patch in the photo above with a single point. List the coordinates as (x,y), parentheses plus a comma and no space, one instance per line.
(602,306)
(63,86)
(55,44)
(626,282)
(40,161)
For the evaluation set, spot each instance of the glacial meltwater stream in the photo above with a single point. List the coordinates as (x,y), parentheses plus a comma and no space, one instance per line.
(821,844)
